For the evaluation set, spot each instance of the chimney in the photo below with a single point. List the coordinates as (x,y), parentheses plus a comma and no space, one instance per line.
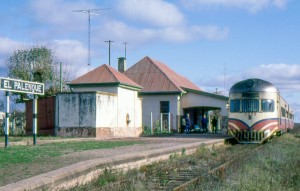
(121,64)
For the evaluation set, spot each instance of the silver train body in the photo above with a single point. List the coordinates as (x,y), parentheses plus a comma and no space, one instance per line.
(257,111)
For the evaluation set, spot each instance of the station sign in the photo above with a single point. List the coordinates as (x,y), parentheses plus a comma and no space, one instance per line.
(21,86)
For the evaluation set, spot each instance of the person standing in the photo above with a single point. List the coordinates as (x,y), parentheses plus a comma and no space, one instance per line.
(214,124)
(204,124)
(187,123)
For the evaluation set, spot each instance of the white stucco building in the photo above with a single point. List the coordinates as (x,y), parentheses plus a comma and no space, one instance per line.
(103,103)
(165,91)
(109,103)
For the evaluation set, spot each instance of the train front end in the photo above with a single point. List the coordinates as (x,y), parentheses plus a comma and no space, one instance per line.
(253,113)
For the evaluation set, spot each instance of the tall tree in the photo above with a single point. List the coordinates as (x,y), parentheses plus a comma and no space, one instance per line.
(37,64)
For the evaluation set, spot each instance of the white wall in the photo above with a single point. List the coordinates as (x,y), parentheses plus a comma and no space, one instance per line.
(99,114)
(107,110)
(151,103)
(194,100)
(129,103)
(76,110)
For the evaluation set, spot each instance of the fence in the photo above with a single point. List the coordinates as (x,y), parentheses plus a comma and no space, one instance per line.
(162,124)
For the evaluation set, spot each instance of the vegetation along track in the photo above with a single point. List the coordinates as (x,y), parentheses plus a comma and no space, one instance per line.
(177,173)
(273,166)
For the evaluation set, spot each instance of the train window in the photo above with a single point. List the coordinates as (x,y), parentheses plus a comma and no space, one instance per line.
(267,105)
(283,112)
(235,105)
(250,105)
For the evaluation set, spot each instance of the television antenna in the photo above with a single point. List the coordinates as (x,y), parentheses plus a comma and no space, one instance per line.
(90,12)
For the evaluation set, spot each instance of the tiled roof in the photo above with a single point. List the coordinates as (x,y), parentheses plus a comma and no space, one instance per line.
(104,74)
(155,76)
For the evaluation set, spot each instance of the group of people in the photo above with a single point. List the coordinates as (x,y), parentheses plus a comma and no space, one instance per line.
(204,122)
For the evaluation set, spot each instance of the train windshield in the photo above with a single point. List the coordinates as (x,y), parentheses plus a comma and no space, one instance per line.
(250,105)
(267,105)
(235,105)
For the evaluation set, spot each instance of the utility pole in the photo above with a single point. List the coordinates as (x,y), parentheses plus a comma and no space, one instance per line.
(89,12)
(109,43)
(125,43)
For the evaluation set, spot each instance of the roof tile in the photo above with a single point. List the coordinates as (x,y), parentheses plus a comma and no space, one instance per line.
(155,76)
(104,74)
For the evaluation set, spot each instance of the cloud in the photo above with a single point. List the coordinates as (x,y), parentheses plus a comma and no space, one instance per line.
(120,31)
(69,50)
(72,54)
(58,15)
(7,47)
(59,11)
(154,12)
(164,22)
(137,21)
(252,6)
(286,77)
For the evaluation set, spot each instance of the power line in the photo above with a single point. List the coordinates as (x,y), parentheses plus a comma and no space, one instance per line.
(89,12)
(109,43)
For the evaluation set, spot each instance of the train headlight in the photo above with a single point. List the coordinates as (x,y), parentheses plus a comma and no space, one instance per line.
(267,133)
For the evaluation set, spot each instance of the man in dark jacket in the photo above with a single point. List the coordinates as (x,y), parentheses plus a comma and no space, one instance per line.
(187,123)
(204,124)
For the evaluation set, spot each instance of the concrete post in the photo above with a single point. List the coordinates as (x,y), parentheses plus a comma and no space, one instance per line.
(34,121)
(7,119)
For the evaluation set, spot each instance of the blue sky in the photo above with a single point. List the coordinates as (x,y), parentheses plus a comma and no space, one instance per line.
(214,43)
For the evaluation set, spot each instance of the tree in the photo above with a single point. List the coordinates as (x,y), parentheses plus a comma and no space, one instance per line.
(37,64)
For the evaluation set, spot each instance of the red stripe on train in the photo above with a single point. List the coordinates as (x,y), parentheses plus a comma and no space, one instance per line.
(262,124)
(239,124)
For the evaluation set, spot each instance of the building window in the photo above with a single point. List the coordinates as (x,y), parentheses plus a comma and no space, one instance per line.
(267,105)
(235,105)
(164,107)
(250,105)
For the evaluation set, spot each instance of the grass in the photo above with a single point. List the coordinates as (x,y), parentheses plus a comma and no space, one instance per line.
(26,138)
(20,162)
(28,154)
(275,166)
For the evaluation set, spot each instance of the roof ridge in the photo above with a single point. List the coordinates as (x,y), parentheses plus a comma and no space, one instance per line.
(119,77)
(109,69)
(163,72)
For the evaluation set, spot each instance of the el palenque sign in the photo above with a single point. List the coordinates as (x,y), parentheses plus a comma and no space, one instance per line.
(21,86)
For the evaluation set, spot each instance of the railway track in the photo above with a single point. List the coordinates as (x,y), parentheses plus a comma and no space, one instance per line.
(183,172)
(219,171)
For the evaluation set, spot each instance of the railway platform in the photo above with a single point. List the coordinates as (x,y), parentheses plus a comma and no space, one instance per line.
(127,157)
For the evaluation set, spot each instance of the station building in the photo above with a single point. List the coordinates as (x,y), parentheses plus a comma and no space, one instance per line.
(107,103)
(168,96)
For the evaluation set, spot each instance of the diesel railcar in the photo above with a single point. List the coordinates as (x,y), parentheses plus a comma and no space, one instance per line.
(257,111)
